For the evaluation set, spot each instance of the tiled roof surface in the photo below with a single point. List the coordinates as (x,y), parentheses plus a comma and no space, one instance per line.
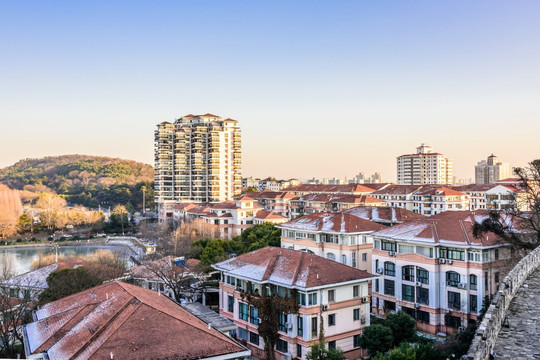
(384,214)
(321,188)
(290,268)
(398,190)
(265,214)
(332,222)
(124,321)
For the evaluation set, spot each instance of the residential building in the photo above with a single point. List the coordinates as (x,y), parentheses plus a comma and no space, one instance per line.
(325,291)
(400,196)
(361,178)
(198,159)
(342,237)
(424,167)
(231,217)
(491,171)
(477,194)
(122,321)
(351,189)
(436,270)
(312,203)
(278,202)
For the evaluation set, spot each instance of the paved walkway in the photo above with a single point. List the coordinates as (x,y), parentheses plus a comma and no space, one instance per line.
(522,339)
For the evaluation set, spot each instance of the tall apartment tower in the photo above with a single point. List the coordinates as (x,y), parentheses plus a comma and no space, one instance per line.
(198,158)
(424,167)
(491,171)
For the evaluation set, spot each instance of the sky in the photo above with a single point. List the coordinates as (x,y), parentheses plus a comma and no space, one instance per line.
(320,88)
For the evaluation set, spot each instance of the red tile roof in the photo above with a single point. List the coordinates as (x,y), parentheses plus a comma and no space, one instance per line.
(265,214)
(290,268)
(384,214)
(124,321)
(343,222)
(433,190)
(321,188)
(397,190)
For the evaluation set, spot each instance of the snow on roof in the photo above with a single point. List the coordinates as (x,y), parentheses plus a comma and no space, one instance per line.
(290,268)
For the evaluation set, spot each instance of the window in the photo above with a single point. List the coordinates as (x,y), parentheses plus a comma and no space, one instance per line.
(344,259)
(407,292)
(253,315)
(312,299)
(407,273)
(473,300)
(301,299)
(353,259)
(406,249)
(298,350)
(331,319)
(496,254)
(331,295)
(452,321)
(389,305)
(389,287)
(254,338)
(473,280)
(356,314)
(356,341)
(364,257)
(452,278)
(422,316)
(388,246)
(243,334)
(314,327)
(454,300)
(422,296)
(282,346)
(454,254)
(389,268)
(356,291)
(331,256)
(422,275)
(231,304)
(332,344)
(300,325)
(282,322)
(243,311)
(496,277)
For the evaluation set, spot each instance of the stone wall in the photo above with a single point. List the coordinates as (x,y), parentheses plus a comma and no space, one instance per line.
(486,335)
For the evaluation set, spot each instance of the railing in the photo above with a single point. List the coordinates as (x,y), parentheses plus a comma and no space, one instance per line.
(486,335)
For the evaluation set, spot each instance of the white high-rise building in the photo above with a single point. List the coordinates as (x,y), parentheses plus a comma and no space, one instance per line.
(491,171)
(198,159)
(424,167)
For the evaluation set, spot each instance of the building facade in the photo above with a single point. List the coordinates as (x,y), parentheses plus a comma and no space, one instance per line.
(424,167)
(326,291)
(197,158)
(437,271)
(491,170)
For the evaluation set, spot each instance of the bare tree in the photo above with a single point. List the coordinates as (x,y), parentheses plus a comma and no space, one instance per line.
(519,225)
(188,232)
(53,207)
(10,210)
(15,309)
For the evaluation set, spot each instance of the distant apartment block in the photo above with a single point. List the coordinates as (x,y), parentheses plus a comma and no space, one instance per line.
(436,271)
(197,158)
(361,178)
(270,183)
(328,293)
(424,167)
(491,171)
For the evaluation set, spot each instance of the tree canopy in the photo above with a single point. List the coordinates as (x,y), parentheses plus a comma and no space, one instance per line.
(66,282)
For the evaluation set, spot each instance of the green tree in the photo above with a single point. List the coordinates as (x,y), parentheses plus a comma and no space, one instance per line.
(377,338)
(402,325)
(66,282)
(25,223)
(259,236)
(403,352)
(319,351)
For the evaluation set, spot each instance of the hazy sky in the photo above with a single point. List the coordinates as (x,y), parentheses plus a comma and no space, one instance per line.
(320,88)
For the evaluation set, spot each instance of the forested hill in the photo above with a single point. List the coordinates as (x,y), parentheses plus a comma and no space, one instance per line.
(83,179)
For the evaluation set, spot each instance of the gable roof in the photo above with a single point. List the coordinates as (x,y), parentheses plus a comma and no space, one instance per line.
(322,188)
(342,222)
(384,214)
(290,268)
(126,321)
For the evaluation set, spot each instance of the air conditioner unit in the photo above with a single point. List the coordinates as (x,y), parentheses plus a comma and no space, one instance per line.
(450,261)
(416,305)
(259,320)
(288,325)
(391,253)
(442,261)
(364,300)
(287,356)
(418,283)
(461,328)
(325,307)
(379,270)
(446,311)
(462,285)
(363,320)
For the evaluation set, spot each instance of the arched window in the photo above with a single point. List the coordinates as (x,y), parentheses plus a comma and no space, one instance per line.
(407,273)
(473,280)
(452,278)
(422,275)
(331,256)
(389,268)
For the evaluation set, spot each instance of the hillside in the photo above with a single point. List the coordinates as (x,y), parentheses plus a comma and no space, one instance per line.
(83,179)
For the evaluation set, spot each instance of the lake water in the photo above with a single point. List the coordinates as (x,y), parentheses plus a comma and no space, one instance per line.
(22,257)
